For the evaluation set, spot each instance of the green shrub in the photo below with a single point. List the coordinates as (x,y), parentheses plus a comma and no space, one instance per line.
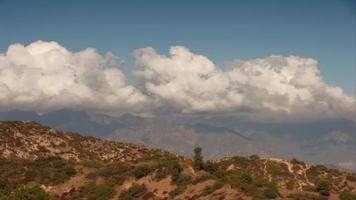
(198,162)
(133,193)
(113,173)
(323,187)
(29,192)
(50,171)
(98,192)
(200,179)
(179,190)
(161,173)
(210,167)
(2,184)
(220,173)
(92,164)
(142,171)
(245,178)
(250,189)
(305,196)
(314,171)
(347,196)
(297,162)
(212,188)
(271,190)
(254,157)
(277,169)
(181,179)
(242,162)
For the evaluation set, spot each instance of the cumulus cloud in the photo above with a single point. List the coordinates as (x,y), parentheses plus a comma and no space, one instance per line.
(274,88)
(45,76)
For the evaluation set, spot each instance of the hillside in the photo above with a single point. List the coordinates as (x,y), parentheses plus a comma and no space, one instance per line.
(331,143)
(38,160)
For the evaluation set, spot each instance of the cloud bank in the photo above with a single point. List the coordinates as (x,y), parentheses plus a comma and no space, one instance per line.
(274,88)
(45,76)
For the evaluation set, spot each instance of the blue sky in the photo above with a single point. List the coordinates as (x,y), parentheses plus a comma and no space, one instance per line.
(224,31)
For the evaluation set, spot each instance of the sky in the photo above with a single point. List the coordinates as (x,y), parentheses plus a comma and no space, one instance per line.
(273,60)
(223,31)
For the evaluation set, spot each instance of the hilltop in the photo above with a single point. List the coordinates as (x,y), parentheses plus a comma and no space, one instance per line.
(68,166)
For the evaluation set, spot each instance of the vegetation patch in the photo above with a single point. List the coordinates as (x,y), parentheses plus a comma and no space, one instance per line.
(212,188)
(133,193)
(306,196)
(142,171)
(50,171)
(114,174)
(347,196)
(277,169)
(28,192)
(98,192)
(323,187)
(179,190)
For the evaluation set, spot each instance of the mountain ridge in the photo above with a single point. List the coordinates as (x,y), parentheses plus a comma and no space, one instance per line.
(92,164)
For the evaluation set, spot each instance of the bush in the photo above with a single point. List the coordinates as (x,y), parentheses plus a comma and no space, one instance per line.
(2,184)
(161,174)
(181,179)
(212,188)
(210,167)
(245,178)
(92,164)
(271,190)
(179,190)
(254,157)
(29,192)
(200,179)
(50,171)
(99,192)
(347,196)
(142,171)
(220,174)
(169,166)
(323,187)
(297,162)
(305,196)
(134,192)
(277,169)
(113,173)
(198,162)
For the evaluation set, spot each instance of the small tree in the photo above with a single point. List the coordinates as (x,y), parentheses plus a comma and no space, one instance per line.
(323,188)
(198,162)
(271,191)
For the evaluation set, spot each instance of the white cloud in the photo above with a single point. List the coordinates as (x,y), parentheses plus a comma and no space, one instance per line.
(274,88)
(45,76)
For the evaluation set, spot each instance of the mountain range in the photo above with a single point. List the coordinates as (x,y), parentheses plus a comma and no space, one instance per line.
(332,143)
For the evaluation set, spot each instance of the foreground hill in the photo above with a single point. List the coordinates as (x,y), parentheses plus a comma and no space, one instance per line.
(37,160)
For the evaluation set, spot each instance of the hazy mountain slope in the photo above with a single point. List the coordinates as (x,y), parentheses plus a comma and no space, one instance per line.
(330,142)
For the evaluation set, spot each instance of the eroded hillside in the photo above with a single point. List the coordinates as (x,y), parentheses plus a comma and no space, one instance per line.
(69,166)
